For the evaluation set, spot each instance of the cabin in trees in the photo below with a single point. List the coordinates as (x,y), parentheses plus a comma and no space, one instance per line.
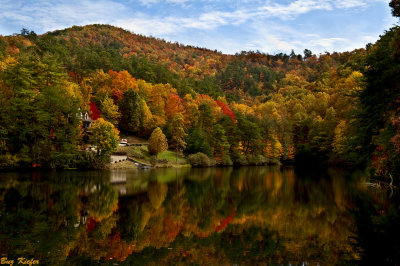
(85,118)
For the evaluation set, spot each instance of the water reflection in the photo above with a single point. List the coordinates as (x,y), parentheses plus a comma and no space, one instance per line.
(253,215)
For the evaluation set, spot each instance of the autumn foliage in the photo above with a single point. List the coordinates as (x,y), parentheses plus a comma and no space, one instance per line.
(95,113)
(224,222)
(249,108)
(225,110)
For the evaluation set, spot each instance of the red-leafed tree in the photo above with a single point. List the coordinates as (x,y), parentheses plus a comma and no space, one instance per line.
(95,113)
(225,110)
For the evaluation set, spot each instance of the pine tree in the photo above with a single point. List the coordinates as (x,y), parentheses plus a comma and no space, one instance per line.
(131,112)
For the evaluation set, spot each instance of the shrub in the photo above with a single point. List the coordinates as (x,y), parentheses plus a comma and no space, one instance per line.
(213,162)
(163,161)
(199,160)
(8,161)
(89,160)
(257,160)
(226,161)
(153,160)
(239,159)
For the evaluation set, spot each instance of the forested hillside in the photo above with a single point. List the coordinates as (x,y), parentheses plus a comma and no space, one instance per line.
(249,108)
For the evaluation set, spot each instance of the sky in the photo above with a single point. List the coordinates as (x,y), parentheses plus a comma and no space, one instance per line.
(269,26)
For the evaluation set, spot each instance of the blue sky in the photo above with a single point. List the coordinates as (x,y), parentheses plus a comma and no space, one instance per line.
(270,26)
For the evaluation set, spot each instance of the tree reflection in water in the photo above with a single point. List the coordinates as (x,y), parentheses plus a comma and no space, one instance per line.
(261,215)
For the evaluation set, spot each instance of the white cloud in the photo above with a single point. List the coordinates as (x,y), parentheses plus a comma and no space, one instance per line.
(47,15)
(150,3)
(145,24)
(244,14)
(269,25)
(295,8)
(150,26)
(350,3)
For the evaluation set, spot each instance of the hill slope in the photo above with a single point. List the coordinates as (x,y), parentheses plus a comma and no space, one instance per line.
(248,108)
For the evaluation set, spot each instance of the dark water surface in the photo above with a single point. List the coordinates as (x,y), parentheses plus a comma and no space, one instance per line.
(213,216)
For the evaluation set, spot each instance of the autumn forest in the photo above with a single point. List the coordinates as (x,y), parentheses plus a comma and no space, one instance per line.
(249,108)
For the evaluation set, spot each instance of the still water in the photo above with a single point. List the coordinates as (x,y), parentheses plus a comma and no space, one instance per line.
(212,216)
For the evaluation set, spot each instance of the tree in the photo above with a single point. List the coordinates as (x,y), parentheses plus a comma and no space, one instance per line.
(250,134)
(100,83)
(37,109)
(178,134)
(110,111)
(157,142)
(28,34)
(379,99)
(131,112)
(94,112)
(197,141)
(225,110)
(220,144)
(307,54)
(173,105)
(395,5)
(206,117)
(122,82)
(147,118)
(105,136)
(292,55)
(340,138)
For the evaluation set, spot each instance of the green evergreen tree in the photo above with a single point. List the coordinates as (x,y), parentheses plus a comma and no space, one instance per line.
(131,112)
(197,141)
(220,144)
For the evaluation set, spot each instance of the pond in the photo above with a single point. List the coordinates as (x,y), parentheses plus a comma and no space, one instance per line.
(209,216)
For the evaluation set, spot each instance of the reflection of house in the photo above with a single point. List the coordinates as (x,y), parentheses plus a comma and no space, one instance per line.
(85,118)
(117,176)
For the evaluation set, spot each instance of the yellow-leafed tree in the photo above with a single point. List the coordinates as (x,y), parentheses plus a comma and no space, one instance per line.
(157,142)
(105,136)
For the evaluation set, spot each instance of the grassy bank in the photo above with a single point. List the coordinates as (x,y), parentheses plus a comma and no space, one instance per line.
(164,159)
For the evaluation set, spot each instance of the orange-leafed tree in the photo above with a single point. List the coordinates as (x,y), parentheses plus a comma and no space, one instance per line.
(174,105)
(122,81)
